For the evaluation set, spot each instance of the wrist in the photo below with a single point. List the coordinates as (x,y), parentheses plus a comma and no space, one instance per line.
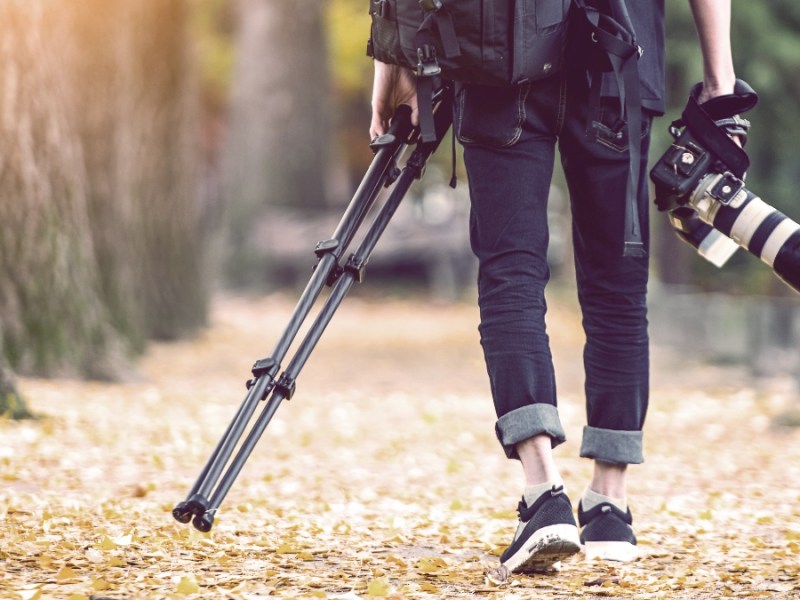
(719,85)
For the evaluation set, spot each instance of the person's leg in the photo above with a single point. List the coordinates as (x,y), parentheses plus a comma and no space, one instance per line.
(610,480)
(612,294)
(538,464)
(509,153)
(508,136)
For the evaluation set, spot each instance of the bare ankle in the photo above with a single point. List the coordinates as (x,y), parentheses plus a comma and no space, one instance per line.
(536,456)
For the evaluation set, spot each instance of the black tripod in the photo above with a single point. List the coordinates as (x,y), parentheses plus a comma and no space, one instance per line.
(215,480)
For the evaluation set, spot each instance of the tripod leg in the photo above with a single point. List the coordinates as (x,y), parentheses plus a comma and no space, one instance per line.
(284,388)
(203,522)
(388,150)
(330,251)
(196,502)
(387,153)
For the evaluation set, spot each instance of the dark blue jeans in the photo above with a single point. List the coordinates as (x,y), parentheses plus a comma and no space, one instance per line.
(509,137)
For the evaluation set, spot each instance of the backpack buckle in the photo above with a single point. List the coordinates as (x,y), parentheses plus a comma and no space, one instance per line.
(381,8)
(427,65)
(430,5)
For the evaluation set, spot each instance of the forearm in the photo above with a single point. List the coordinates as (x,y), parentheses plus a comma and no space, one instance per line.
(713,19)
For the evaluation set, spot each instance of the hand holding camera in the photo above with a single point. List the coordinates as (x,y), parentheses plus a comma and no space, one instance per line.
(699,182)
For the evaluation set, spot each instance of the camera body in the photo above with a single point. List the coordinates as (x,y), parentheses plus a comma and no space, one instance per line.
(684,169)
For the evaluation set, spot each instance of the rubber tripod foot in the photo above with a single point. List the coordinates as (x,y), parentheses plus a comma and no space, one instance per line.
(203,522)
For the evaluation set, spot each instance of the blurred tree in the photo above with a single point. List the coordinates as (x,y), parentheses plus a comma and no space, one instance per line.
(348,22)
(136,109)
(54,319)
(102,239)
(12,404)
(280,124)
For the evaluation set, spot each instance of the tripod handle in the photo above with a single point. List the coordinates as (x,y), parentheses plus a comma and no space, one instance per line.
(399,132)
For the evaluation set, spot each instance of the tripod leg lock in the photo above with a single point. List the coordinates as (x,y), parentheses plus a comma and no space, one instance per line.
(326,247)
(263,366)
(356,267)
(286,386)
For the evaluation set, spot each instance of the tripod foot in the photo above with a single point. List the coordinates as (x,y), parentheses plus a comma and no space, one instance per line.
(182,512)
(195,505)
(204,522)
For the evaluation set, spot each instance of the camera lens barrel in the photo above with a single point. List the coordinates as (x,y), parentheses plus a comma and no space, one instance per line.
(722,201)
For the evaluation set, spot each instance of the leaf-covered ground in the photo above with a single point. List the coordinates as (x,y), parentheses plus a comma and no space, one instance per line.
(382,476)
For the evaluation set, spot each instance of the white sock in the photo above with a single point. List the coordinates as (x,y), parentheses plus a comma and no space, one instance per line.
(532,492)
(591,499)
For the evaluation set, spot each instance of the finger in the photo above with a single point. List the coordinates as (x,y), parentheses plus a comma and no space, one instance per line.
(377,126)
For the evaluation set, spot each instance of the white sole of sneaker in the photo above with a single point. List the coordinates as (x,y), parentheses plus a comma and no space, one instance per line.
(546,548)
(614,551)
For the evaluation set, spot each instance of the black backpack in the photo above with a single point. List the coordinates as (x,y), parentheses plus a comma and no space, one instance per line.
(495,43)
(509,42)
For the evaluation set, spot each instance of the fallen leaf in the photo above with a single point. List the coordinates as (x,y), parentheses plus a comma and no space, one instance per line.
(379,587)
(431,564)
(66,575)
(187,585)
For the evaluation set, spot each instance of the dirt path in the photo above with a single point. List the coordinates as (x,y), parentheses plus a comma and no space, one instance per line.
(382,477)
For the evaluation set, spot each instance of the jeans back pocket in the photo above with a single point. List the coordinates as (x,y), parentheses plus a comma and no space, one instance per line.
(490,115)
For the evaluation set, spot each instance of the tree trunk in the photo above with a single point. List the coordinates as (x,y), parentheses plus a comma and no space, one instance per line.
(137,108)
(12,404)
(278,148)
(101,245)
(54,319)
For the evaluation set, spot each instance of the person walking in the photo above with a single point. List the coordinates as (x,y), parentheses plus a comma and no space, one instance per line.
(510,135)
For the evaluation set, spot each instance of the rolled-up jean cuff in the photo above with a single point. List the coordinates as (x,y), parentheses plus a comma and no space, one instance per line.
(526,422)
(609,445)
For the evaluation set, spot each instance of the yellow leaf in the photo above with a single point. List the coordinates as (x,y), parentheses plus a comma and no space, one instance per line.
(107,544)
(431,564)
(396,560)
(188,585)
(77,597)
(428,587)
(100,585)
(378,587)
(305,556)
(66,575)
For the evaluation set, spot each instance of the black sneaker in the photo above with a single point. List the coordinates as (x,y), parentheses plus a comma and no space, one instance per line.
(546,534)
(607,533)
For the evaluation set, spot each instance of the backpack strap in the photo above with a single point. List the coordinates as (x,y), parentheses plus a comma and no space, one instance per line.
(619,53)
(437,25)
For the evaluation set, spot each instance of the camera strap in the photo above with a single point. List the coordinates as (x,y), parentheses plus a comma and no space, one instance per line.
(714,121)
(614,37)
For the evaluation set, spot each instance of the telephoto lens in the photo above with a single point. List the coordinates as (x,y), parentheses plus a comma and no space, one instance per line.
(722,201)
(711,244)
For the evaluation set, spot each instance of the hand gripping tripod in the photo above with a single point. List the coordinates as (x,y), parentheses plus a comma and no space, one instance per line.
(214,482)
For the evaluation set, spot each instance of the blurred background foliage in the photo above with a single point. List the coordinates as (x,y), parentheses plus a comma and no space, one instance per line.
(767,55)
(210,143)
